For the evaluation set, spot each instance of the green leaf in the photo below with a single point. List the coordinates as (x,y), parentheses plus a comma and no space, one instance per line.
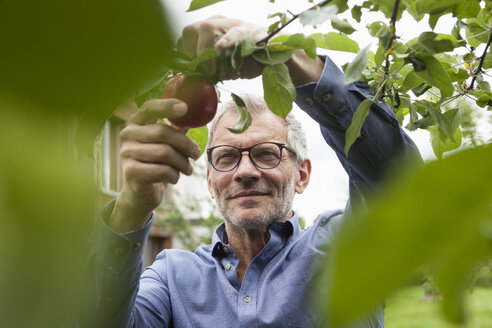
(432,7)
(433,20)
(484,98)
(281,21)
(317,15)
(396,66)
(340,4)
(335,41)
(355,68)
(482,84)
(376,29)
(244,120)
(353,131)
(272,58)
(198,4)
(432,217)
(418,64)
(467,9)
(205,55)
(342,25)
(200,136)
(294,42)
(432,43)
(439,146)
(412,80)
(459,76)
(413,117)
(278,89)
(487,63)
(421,89)
(248,46)
(236,57)
(386,6)
(444,124)
(379,56)
(476,34)
(435,75)
(356,13)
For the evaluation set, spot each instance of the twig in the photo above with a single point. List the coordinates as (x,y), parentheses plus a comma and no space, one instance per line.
(294,17)
(480,64)
(390,41)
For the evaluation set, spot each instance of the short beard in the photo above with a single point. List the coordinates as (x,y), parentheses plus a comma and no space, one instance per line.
(261,221)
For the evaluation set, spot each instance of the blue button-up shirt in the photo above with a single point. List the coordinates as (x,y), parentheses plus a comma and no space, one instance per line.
(201,289)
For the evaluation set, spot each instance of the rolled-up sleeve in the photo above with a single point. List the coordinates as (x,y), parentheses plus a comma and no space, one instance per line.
(332,104)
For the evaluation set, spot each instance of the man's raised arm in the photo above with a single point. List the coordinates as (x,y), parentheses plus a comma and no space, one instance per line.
(152,155)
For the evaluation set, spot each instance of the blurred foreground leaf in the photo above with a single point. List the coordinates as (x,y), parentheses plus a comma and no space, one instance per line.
(439,217)
(64,67)
(47,206)
(81,57)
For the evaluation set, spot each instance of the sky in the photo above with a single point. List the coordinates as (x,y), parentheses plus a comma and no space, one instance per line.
(328,188)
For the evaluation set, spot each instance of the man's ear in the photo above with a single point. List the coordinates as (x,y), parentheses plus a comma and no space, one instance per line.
(210,190)
(304,173)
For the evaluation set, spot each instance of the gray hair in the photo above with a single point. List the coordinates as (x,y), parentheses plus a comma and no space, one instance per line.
(296,138)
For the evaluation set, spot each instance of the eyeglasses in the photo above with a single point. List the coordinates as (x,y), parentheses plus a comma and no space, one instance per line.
(264,155)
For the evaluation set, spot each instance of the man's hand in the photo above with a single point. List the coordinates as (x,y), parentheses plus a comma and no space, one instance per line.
(152,154)
(223,32)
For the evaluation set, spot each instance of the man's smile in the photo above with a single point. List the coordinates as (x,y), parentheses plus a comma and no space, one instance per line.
(249,193)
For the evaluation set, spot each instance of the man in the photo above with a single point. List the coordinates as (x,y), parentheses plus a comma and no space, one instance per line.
(258,270)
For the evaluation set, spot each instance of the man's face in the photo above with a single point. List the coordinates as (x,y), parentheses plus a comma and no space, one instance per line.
(248,197)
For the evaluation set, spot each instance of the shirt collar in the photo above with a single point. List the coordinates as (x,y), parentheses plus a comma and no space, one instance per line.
(286,229)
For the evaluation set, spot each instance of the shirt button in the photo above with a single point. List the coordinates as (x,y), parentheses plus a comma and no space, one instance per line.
(137,246)
(326,97)
(228,266)
(309,101)
(247,299)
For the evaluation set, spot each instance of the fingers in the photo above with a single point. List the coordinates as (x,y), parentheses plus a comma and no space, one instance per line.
(160,165)
(153,153)
(206,39)
(143,174)
(162,135)
(241,31)
(222,33)
(203,35)
(155,109)
(188,42)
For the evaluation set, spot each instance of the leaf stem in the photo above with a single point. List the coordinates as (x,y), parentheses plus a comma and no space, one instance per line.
(294,17)
(480,64)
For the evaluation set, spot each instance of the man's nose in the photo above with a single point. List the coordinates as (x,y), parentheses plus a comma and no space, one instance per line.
(246,170)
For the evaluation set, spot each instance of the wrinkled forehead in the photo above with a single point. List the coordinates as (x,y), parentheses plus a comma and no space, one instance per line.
(265,126)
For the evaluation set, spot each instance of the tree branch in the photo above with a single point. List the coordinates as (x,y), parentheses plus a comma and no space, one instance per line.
(294,17)
(480,64)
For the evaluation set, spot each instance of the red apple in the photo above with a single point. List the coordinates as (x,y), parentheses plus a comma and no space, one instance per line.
(200,96)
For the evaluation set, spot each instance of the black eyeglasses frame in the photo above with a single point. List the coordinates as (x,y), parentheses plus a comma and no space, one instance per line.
(248,149)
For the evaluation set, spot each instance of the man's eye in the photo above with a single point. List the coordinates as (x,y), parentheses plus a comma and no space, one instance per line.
(266,156)
(226,157)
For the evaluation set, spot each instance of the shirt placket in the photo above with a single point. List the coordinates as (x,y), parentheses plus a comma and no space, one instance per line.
(248,293)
